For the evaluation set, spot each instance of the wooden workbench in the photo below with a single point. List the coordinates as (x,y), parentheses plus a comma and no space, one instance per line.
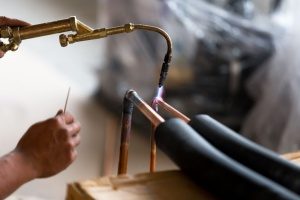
(164,185)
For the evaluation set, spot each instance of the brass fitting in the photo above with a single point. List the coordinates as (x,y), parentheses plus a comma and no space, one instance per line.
(5,32)
(94,34)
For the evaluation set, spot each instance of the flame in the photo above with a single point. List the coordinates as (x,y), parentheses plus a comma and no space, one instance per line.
(159,94)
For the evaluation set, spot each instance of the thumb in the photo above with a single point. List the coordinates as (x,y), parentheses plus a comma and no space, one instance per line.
(60,111)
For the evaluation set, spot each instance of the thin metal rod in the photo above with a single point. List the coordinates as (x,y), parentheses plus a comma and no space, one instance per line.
(67,99)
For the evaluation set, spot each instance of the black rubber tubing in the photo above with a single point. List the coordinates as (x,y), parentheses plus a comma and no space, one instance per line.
(254,156)
(213,170)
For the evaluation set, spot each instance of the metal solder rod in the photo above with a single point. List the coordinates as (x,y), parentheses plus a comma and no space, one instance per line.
(67,99)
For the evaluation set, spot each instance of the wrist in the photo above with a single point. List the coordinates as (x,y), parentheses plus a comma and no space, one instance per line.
(22,161)
(15,171)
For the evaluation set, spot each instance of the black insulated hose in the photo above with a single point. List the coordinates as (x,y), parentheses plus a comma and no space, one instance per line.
(254,156)
(213,170)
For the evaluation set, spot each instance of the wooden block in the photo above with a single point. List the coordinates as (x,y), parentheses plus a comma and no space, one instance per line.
(165,185)
(294,157)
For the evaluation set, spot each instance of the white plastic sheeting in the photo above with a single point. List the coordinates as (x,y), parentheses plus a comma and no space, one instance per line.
(275,119)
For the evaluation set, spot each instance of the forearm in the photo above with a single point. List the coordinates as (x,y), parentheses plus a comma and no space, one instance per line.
(15,170)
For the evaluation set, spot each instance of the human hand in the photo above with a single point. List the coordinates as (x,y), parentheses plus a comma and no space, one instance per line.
(4,21)
(50,146)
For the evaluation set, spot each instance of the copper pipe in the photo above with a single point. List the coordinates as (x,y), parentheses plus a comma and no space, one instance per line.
(292,155)
(172,110)
(125,135)
(152,151)
(154,105)
(158,101)
(152,164)
(151,115)
(131,98)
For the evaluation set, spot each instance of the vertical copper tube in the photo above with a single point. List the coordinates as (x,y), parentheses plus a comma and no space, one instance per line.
(153,150)
(154,105)
(152,164)
(125,135)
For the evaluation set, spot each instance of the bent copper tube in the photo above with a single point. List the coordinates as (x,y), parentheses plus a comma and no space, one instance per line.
(172,110)
(132,99)
(151,115)
(158,101)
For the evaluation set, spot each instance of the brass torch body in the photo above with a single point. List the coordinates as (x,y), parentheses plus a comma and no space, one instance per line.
(49,28)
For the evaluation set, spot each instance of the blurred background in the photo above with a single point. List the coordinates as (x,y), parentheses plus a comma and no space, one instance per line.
(235,60)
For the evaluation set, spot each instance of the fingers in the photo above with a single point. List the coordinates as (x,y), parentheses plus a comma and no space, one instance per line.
(59,112)
(66,117)
(76,140)
(73,129)
(70,128)
(73,156)
(12,22)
